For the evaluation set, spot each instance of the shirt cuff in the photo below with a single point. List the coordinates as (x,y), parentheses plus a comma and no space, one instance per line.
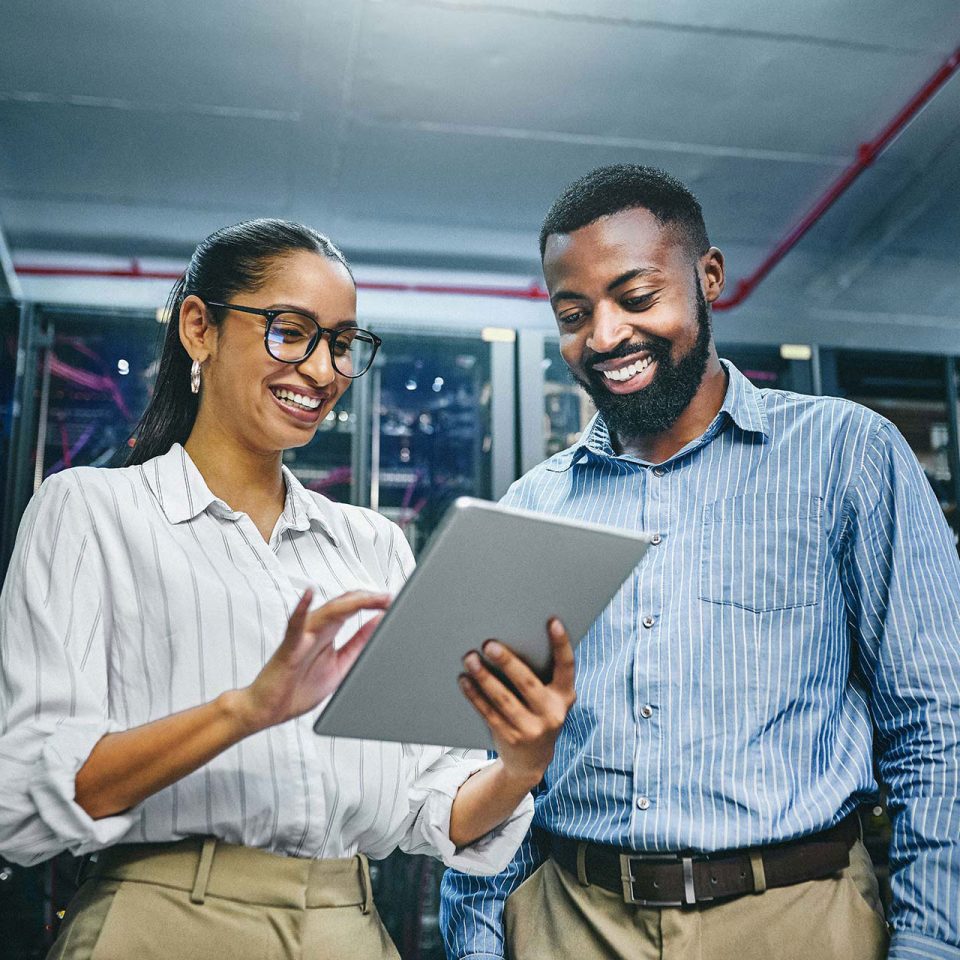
(489,854)
(53,791)
(906,945)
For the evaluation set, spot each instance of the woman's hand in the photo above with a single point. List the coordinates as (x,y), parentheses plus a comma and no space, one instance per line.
(306,667)
(524,727)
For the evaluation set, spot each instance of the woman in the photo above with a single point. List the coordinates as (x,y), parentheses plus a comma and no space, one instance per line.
(148,712)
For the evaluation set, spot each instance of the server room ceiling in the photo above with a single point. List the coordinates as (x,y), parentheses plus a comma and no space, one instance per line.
(437,131)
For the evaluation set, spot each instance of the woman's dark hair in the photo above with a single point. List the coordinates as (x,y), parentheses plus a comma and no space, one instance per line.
(232,259)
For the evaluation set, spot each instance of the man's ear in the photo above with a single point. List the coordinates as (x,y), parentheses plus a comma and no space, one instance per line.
(711,266)
(197,334)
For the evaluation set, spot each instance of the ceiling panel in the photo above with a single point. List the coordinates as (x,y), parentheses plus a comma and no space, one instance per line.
(246,54)
(52,151)
(419,176)
(495,69)
(931,24)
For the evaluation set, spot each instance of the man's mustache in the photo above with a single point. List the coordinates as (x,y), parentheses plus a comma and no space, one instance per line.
(656,348)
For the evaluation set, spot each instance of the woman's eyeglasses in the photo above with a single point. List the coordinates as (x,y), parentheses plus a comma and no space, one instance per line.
(291,337)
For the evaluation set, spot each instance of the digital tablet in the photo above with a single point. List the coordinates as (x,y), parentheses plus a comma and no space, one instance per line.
(488,572)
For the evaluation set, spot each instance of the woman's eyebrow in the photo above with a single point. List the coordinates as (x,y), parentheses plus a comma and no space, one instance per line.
(293,308)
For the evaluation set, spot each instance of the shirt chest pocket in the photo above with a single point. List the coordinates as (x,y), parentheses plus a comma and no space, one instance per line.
(762,552)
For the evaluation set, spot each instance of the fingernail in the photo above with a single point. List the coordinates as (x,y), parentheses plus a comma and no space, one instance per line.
(463,683)
(556,628)
(472,662)
(493,649)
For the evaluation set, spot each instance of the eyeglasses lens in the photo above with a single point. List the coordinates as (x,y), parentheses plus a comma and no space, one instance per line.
(291,338)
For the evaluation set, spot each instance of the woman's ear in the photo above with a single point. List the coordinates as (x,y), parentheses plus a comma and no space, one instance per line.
(197,334)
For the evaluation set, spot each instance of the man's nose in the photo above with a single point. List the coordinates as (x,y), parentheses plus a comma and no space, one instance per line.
(611,327)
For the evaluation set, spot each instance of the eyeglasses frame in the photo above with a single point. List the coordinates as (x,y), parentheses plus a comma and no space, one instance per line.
(271,316)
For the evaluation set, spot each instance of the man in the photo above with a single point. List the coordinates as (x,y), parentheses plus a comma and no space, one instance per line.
(798,613)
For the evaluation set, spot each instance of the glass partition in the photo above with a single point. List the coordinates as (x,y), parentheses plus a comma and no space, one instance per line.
(911,392)
(767,368)
(431,440)
(566,407)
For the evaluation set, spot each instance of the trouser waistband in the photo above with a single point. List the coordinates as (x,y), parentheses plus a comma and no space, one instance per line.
(206,867)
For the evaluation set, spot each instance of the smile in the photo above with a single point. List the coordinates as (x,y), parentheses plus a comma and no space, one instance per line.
(296,400)
(630,370)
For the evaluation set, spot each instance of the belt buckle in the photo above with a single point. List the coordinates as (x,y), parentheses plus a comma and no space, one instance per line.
(628,879)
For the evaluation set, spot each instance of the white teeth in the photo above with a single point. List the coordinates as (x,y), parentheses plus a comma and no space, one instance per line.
(308,403)
(631,370)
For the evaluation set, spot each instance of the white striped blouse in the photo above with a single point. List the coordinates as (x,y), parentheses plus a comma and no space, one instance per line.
(134,593)
(799,615)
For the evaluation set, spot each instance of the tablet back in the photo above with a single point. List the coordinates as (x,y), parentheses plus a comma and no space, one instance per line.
(488,572)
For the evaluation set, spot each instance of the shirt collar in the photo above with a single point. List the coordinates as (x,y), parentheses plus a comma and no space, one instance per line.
(743,404)
(183,494)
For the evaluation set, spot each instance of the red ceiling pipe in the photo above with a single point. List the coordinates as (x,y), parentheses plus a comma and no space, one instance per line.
(532,291)
(866,154)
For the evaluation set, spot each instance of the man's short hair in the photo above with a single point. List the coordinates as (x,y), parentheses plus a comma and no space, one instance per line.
(628,186)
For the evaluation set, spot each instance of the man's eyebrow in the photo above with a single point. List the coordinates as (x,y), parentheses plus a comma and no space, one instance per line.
(635,274)
(638,273)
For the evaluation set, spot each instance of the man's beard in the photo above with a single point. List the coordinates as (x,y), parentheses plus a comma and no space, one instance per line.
(657,406)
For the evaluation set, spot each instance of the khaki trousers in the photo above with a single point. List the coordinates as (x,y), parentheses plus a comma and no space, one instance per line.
(204,900)
(551,915)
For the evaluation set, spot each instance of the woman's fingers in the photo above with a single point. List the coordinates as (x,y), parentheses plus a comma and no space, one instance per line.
(297,621)
(348,653)
(310,632)
(337,611)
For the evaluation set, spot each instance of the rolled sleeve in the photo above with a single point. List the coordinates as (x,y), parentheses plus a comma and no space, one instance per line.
(53,686)
(431,799)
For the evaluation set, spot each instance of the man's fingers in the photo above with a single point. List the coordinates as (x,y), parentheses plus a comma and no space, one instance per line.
(498,726)
(563,662)
(496,692)
(515,670)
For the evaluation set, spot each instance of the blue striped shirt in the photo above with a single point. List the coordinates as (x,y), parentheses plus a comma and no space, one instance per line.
(804,593)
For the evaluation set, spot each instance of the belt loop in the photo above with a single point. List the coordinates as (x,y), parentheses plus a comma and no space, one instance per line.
(367,884)
(199,892)
(582,865)
(759,875)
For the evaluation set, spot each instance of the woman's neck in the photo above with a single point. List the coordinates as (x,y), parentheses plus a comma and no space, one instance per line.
(246,480)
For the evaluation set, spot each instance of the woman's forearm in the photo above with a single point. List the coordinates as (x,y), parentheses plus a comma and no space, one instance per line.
(484,801)
(125,768)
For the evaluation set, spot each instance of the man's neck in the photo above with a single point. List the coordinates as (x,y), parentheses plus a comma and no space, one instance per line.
(692,423)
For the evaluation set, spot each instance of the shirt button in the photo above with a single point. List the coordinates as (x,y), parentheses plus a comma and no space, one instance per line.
(646,711)
(658,471)
(655,539)
(648,622)
(643,803)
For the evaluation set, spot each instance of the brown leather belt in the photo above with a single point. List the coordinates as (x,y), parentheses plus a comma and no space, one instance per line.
(675,880)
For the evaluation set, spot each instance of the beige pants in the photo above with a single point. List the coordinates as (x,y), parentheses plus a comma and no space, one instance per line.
(552,916)
(202,900)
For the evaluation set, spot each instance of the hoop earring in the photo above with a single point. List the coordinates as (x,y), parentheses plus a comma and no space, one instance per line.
(195,377)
